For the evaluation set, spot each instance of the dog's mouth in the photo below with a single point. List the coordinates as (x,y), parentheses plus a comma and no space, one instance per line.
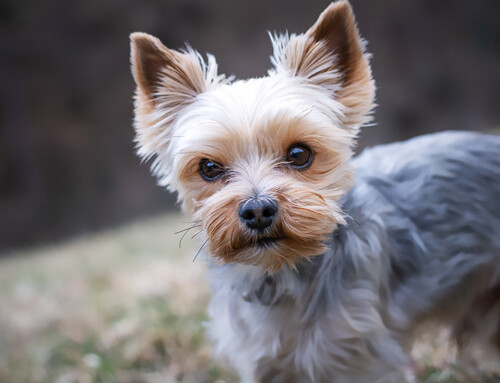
(268,241)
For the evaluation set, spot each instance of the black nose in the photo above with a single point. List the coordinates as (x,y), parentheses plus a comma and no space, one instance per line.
(258,213)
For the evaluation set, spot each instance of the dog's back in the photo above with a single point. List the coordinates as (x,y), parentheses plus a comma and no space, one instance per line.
(438,198)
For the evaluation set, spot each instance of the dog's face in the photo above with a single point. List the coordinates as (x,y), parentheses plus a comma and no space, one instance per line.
(262,163)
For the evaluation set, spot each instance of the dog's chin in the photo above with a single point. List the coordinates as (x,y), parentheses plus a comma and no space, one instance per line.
(267,242)
(270,252)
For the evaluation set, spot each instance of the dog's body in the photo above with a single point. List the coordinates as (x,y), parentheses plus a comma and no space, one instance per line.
(322,268)
(422,242)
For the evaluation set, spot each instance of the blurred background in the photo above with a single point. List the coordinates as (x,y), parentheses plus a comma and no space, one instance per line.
(94,284)
(67,162)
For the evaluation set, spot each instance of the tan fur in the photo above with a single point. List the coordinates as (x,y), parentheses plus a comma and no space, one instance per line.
(167,81)
(304,229)
(185,113)
(331,54)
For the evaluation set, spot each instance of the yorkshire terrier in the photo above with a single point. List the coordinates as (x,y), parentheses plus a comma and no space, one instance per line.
(323,267)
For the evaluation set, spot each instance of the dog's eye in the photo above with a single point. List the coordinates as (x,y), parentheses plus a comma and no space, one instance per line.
(210,170)
(299,156)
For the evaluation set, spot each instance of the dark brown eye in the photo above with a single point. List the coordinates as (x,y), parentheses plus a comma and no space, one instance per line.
(299,156)
(210,170)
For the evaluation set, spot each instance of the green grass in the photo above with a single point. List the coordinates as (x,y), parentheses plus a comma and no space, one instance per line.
(125,306)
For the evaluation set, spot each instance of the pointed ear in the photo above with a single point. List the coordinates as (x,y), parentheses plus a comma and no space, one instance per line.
(167,81)
(161,73)
(331,54)
(148,57)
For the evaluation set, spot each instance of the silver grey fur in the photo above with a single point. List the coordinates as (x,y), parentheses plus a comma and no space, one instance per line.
(422,242)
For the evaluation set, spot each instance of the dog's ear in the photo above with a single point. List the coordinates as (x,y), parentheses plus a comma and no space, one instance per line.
(332,54)
(161,73)
(167,81)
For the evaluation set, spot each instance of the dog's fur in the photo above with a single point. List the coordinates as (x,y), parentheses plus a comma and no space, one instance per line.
(366,250)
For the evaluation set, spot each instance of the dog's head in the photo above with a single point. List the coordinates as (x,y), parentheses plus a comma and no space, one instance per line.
(261,163)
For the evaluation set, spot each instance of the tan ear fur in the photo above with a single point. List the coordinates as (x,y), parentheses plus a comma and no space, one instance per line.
(161,72)
(148,57)
(331,54)
(167,81)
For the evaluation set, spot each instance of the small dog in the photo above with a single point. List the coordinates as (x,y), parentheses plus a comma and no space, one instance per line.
(322,267)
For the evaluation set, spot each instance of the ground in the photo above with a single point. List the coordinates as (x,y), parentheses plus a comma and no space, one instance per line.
(127,305)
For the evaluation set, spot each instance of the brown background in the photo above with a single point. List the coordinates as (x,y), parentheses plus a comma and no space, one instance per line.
(67,163)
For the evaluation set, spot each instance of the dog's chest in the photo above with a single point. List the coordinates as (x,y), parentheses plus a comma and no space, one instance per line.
(253,318)
(262,325)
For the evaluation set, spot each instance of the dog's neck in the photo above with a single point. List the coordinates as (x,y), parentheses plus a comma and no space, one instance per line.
(333,278)
(311,276)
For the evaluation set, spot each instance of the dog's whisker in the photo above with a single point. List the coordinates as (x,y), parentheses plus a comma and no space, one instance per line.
(185,232)
(182,237)
(201,248)
(192,222)
(186,229)
(195,234)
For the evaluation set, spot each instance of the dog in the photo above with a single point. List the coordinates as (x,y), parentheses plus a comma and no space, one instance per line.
(323,267)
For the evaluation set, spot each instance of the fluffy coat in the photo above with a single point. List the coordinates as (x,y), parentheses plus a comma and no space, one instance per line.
(360,252)
(421,242)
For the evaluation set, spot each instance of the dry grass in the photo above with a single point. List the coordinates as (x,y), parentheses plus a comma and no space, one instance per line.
(124,306)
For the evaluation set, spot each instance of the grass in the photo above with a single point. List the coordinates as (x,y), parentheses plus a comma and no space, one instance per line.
(125,306)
